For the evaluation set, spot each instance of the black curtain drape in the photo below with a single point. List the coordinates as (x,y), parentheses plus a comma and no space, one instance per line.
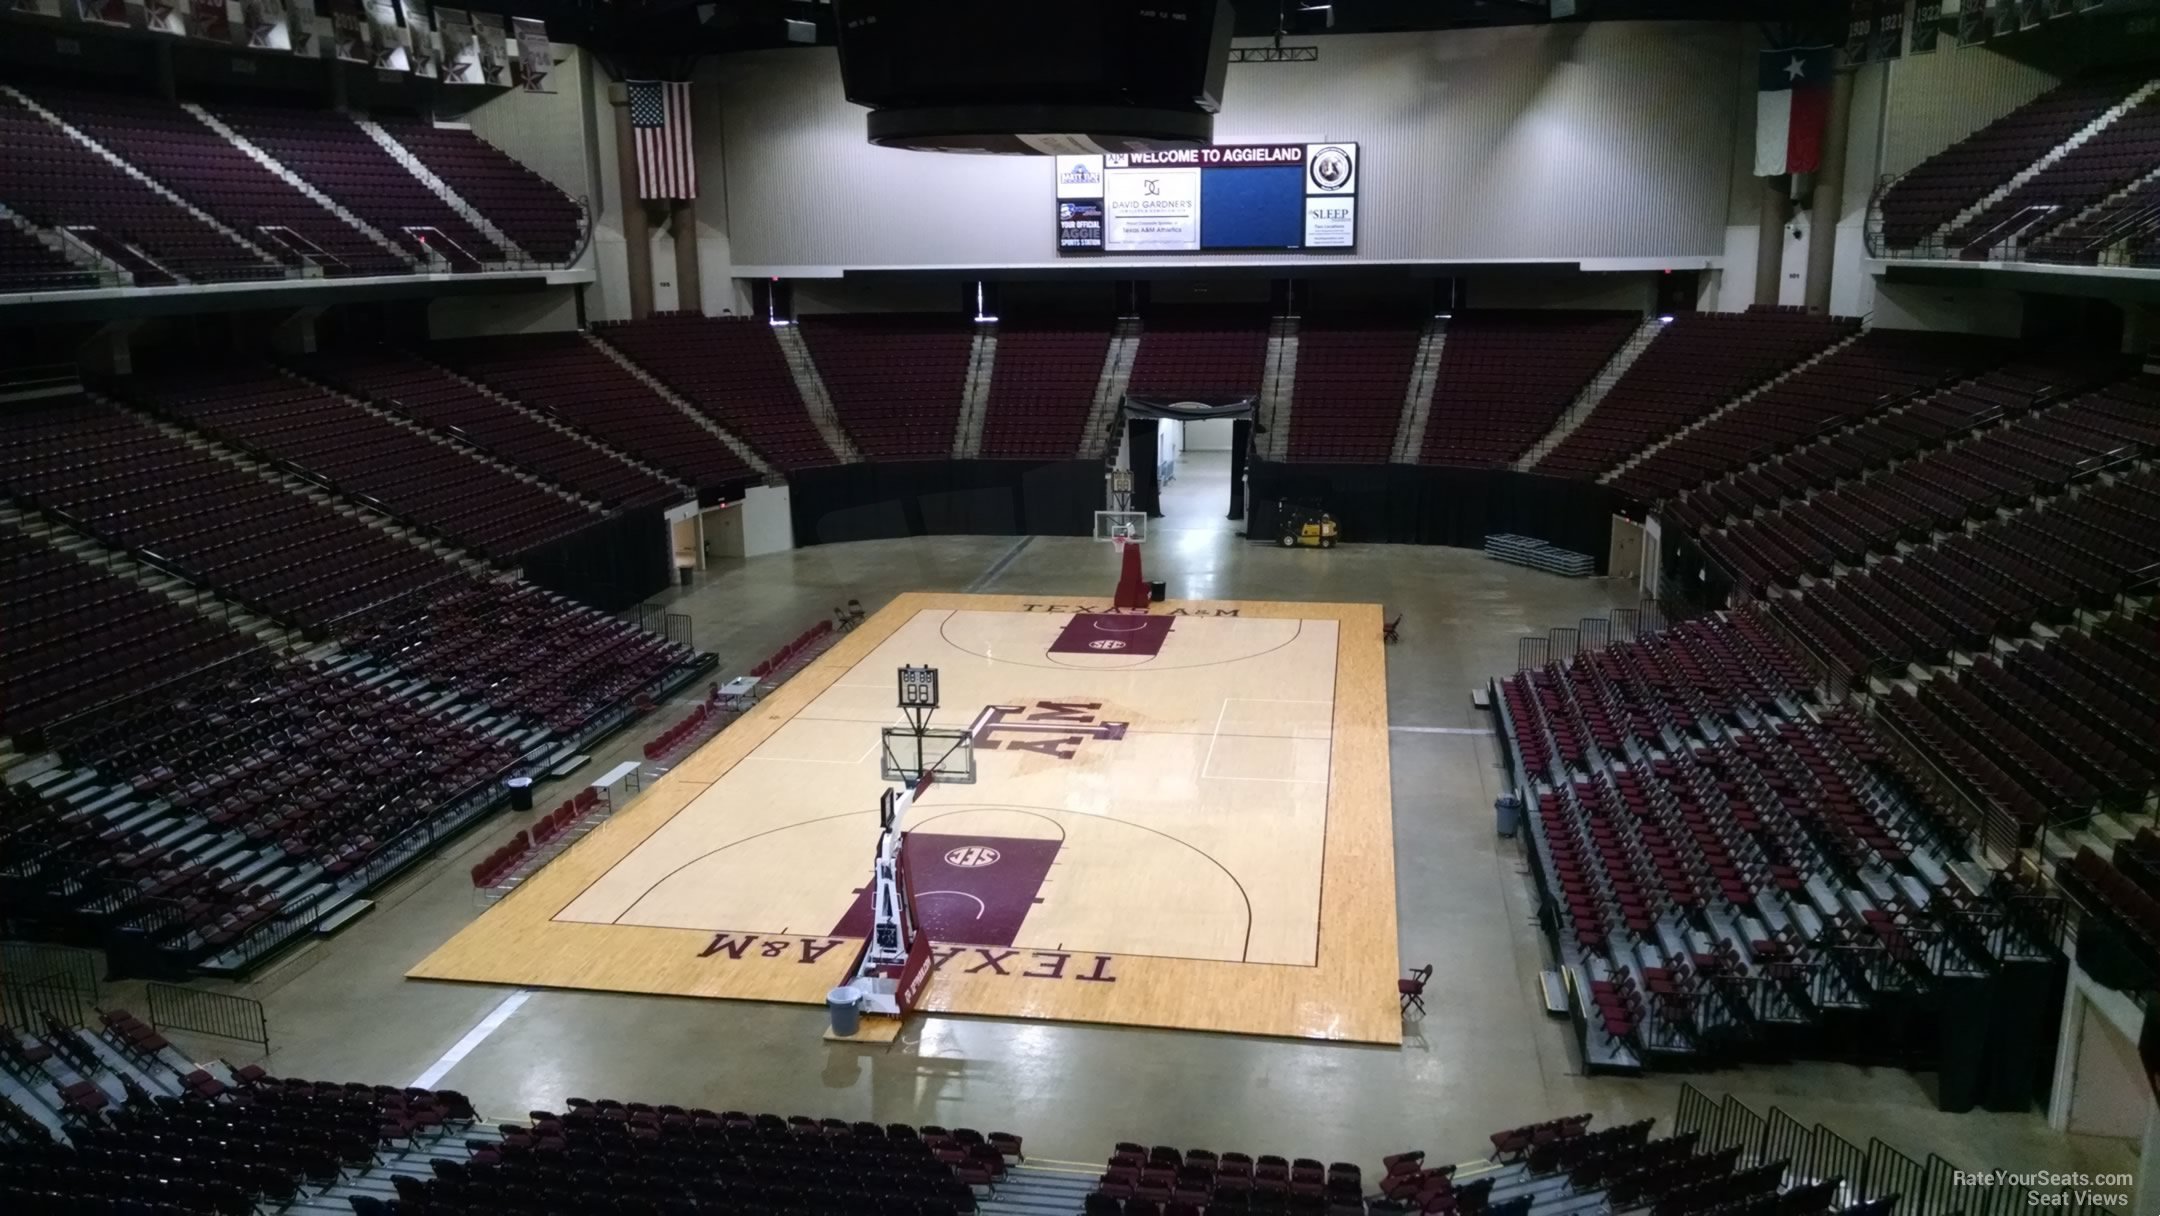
(1144,450)
(610,565)
(1240,445)
(877,500)
(1436,505)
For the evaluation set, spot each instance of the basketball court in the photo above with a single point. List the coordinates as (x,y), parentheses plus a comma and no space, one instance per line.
(1176,818)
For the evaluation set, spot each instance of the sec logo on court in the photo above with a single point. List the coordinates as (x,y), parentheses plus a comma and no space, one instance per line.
(1106,644)
(972,857)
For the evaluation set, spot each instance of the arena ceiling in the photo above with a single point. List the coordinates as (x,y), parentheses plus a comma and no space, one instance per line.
(674,28)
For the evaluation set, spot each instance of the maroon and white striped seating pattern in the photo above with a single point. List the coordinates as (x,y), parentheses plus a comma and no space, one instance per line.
(895,379)
(1507,376)
(1042,386)
(732,370)
(1352,375)
(408,385)
(438,486)
(1699,362)
(566,376)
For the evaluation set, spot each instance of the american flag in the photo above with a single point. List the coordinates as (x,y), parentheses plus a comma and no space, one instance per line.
(660,124)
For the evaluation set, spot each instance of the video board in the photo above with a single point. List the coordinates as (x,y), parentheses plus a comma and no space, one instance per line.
(1228,197)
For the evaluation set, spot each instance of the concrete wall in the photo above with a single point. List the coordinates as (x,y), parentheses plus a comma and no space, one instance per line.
(1609,140)
(538,310)
(1972,310)
(1208,435)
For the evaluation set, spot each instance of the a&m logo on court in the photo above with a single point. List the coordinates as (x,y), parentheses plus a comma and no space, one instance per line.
(1050,728)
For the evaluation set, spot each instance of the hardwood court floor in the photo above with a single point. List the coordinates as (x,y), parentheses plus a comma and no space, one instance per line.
(1184,824)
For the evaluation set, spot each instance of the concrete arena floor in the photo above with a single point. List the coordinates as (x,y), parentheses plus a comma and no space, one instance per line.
(1484,1057)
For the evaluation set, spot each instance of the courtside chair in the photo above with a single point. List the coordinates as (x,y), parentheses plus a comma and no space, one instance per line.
(1412,988)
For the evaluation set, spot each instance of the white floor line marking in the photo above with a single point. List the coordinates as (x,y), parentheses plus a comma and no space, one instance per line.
(473,1038)
(1209,758)
(1442,730)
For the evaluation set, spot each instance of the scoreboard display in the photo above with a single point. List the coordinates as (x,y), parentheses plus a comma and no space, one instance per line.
(1225,197)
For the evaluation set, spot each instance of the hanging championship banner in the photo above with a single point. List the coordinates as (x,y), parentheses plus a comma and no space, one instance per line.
(350,35)
(103,12)
(1859,31)
(1889,30)
(389,35)
(536,59)
(308,30)
(424,52)
(1973,24)
(2005,14)
(460,46)
(2031,13)
(1926,26)
(263,25)
(212,22)
(165,17)
(2062,8)
(34,8)
(494,36)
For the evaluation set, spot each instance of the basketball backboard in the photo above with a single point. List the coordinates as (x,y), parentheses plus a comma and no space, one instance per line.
(1132,525)
(947,751)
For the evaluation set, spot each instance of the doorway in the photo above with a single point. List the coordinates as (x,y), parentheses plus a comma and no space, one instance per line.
(1196,493)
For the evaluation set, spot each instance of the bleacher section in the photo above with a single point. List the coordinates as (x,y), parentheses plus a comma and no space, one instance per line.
(1729,859)
(204,820)
(1883,369)
(28,264)
(1042,386)
(335,156)
(1506,377)
(77,635)
(116,1119)
(1201,351)
(2115,156)
(564,375)
(733,371)
(2069,725)
(1918,204)
(50,179)
(896,379)
(56,182)
(1700,362)
(418,390)
(435,485)
(546,223)
(1352,375)
(176,149)
(1556,1167)
(1940,489)
(2119,901)
(1894,433)
(120,479)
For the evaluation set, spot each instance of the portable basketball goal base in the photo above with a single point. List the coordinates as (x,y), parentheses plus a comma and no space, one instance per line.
(1126,530)
(894,964)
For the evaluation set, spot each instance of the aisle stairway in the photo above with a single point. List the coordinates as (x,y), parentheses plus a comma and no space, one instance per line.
(1040,1190)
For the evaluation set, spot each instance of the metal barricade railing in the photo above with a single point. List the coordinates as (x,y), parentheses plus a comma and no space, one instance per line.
(676,627)
(1532,653)
(40,981)
(1565,642)
(1594,632)
(213,1013)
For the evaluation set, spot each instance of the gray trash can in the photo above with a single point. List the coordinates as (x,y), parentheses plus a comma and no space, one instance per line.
(845,1006)
(1507,814)
(521,793)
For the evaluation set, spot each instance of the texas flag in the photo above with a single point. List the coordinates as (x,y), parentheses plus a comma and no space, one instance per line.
(1791,102)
